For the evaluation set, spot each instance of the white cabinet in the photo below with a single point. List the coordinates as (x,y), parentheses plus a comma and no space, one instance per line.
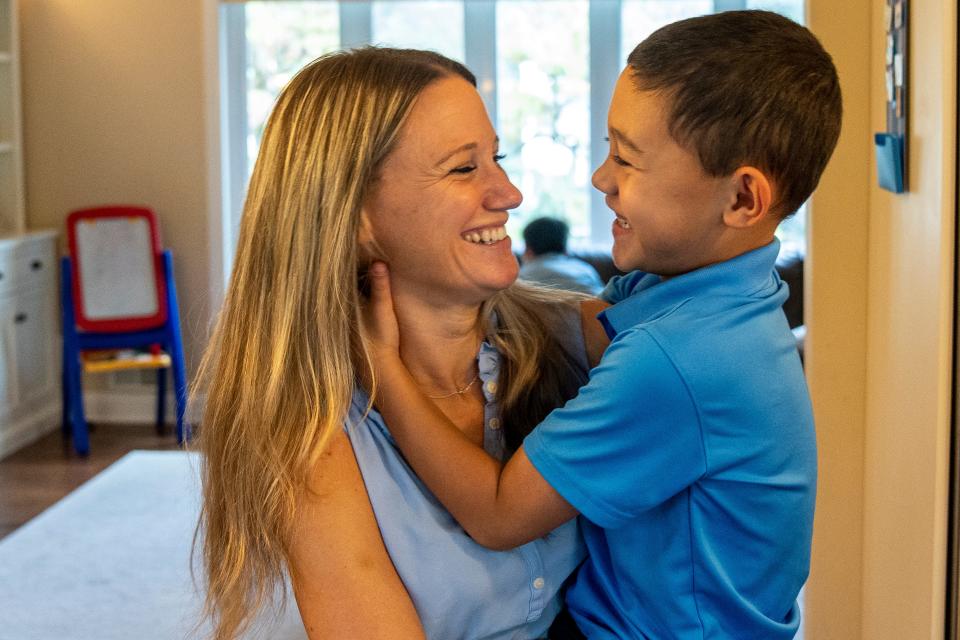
(29,339)
(29,336)
(7,391)
(11,147)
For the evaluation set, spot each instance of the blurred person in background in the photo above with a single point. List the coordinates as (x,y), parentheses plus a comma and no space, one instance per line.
(545,260)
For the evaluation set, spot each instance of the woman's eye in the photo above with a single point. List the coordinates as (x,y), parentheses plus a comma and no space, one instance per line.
(498,157)
(467,168)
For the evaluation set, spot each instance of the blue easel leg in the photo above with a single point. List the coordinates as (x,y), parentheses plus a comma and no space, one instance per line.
(161,401)
(180,388)
(175,342)
(64,396)
(81,438)
(73,418)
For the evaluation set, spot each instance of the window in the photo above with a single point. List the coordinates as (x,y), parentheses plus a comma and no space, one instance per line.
(280,38)
(419,24)
(545,68)
(643,17)
(543,116)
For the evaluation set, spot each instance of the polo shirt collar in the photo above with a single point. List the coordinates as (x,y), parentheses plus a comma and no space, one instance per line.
(651,296)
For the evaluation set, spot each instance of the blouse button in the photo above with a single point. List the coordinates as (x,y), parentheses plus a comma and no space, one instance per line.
(491,387)
(538,583)
(494,423)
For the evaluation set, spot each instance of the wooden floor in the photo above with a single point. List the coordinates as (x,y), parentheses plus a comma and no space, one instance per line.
(38,475)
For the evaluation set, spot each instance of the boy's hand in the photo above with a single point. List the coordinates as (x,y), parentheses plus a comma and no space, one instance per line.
(498,509)
(380,330)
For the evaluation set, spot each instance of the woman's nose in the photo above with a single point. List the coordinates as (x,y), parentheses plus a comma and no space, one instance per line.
(503,194)
(603,180)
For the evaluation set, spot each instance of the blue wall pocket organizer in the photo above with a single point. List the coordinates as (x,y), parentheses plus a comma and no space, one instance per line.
(891,146)
(889,149)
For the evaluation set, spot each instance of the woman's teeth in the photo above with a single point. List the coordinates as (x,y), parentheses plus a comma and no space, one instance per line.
(489,235)
(623,223)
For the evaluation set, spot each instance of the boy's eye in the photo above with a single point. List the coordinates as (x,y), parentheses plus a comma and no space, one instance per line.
(617,159)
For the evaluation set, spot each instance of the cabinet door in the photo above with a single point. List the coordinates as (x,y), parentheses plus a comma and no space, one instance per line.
(35,342)
(7,368)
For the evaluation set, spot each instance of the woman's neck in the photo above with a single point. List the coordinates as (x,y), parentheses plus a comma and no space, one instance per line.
(438,342)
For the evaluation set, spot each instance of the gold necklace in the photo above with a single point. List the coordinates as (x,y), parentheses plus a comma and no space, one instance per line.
(460,390)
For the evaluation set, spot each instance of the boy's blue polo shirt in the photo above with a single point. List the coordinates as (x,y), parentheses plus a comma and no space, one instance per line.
(691,454)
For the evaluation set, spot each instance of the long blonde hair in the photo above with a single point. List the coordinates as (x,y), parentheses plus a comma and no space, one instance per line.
(279,372)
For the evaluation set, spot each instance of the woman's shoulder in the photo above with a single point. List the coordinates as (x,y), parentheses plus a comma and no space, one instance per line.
(558,308)
(564,315)
(363,424)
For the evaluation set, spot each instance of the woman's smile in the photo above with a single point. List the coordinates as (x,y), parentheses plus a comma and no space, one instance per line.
(486,235)
(442,189)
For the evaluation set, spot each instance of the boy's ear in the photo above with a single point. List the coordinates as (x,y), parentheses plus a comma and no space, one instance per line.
(752,199)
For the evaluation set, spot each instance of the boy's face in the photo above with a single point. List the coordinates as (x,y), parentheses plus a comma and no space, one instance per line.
(669,211)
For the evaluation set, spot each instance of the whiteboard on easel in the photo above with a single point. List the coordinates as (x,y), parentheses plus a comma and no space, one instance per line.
(117,258)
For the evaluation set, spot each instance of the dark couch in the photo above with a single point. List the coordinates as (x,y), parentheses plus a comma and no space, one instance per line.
(789,266)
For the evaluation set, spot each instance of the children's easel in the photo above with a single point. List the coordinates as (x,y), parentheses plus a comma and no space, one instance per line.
(119,309)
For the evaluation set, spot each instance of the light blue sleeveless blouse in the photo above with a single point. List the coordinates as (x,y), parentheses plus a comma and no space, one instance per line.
(461,590)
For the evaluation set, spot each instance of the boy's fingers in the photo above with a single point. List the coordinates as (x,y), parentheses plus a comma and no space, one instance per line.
(380,299)
(381,318)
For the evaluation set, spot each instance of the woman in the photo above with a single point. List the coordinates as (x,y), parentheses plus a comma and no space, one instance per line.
(376,154)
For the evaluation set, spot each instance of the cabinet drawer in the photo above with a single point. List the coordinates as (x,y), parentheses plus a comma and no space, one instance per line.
(34,263)
(35,344)
(28,348)
(7,262)
(28,262)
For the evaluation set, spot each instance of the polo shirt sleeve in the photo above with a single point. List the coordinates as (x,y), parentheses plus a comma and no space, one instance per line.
(629,441)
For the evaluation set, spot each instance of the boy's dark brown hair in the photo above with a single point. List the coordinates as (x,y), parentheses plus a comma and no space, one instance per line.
(747,88)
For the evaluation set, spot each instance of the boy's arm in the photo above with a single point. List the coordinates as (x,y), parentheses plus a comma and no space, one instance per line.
(500,506)
(595,338)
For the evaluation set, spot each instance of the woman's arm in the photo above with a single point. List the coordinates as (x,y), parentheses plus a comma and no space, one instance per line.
(345,583)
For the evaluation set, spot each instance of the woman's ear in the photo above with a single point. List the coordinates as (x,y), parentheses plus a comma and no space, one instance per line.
(366,241)
(365,235)
(752,200)
(366,252)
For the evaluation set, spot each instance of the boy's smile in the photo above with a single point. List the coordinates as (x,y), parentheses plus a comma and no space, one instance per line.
(669,211)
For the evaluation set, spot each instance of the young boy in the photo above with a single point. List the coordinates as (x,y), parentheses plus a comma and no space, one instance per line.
(691,452)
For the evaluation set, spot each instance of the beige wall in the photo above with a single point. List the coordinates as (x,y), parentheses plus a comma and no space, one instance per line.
(836,303)
(118,108)
(114,112)
(880,360)
(910,345)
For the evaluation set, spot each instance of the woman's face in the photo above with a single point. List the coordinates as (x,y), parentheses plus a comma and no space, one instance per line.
(439,208)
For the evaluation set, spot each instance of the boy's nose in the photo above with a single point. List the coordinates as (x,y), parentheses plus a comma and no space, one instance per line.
(603,180)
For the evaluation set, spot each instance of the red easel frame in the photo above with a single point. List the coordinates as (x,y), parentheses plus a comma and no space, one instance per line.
(119,324)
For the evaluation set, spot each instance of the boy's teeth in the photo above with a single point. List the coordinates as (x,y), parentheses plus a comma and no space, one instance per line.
(623,223)
(486,236)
